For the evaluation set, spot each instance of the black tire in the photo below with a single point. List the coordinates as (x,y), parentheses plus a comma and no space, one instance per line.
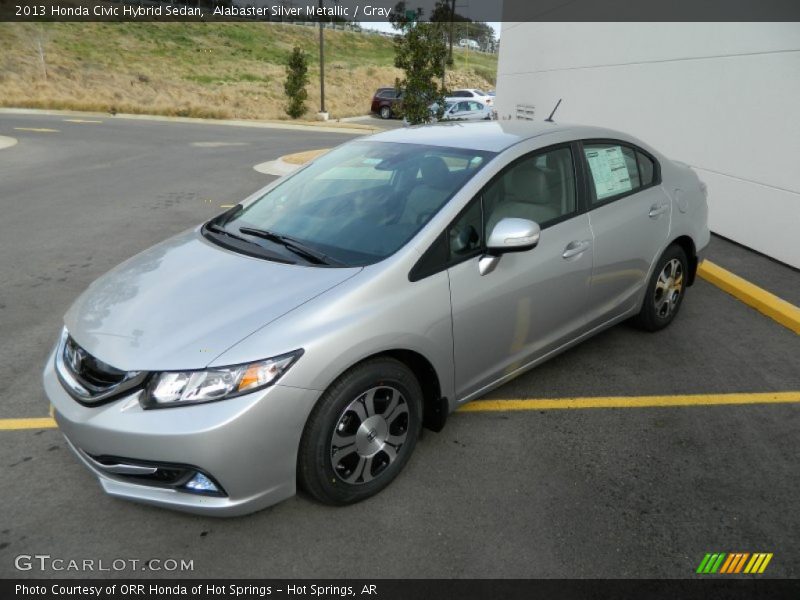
(660,305)
(385,112)
(323,468)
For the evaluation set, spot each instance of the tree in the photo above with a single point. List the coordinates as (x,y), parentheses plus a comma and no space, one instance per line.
(296,82)
(421,52)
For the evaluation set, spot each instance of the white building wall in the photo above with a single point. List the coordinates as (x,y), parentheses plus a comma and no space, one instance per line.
(722,97)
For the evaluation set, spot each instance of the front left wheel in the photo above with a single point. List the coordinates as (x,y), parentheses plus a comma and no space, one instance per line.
(361,432)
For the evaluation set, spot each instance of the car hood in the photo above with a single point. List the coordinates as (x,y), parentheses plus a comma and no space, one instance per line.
(185,301)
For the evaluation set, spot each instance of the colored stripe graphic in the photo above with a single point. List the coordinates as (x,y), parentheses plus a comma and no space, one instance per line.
(767,558)
(726,566)
(717,563)
(703,563)
(734,562)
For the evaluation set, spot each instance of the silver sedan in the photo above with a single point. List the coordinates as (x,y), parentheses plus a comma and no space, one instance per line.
(306,336)
(465,110)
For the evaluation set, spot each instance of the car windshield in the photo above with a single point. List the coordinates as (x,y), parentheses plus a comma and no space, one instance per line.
(357,204)
(479,92)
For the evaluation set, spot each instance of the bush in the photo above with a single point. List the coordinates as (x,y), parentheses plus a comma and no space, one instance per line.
(296,81)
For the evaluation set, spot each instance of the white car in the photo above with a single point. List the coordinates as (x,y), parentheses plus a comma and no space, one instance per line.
(468,110)
(470,94)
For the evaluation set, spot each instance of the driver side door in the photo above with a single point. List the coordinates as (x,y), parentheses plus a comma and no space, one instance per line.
(534,301)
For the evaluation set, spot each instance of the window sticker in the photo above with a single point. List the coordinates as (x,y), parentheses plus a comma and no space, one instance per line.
(609,171)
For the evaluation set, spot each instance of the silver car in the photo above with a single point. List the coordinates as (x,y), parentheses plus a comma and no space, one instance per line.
(465,110)
(308,334)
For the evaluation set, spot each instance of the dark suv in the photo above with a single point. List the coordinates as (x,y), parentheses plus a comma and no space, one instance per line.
(385,102)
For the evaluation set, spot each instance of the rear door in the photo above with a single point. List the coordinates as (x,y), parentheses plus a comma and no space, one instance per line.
(630,214)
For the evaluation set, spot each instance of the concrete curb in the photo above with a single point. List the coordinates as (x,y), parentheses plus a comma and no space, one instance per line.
(277,167)
(763,301)
(365,130)
(7,142)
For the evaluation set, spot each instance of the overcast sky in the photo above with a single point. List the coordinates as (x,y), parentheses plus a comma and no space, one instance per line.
(385,26)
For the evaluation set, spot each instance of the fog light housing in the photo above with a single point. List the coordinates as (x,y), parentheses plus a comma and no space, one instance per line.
(201,483)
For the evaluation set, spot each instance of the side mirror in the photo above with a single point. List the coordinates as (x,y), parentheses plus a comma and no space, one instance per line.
(508,235)
(513,235)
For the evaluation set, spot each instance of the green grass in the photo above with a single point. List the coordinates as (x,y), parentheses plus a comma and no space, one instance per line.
(221,69)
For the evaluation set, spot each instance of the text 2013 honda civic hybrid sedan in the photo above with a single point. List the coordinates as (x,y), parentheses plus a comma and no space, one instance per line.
(306,335)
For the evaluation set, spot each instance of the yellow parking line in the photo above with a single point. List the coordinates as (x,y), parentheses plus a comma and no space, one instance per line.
(769,304)
(227,205)
(543,404)
(36,129)
(36,423)
(630,402)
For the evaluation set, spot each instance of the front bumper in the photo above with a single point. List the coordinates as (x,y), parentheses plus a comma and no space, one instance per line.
(248,444)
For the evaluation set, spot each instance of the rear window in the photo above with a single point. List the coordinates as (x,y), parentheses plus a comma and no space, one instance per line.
(646,169)
(618,169)
(614,170)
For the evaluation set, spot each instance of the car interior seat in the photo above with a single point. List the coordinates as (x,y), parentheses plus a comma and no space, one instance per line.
(431,191)
(528,195)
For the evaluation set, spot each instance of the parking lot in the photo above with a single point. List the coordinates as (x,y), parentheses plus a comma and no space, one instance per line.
(640,491)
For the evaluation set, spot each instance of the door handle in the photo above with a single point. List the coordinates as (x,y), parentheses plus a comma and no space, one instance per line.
(657,210)
(575,248)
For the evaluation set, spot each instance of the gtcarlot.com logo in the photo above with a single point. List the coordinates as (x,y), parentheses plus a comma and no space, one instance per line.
(730,563)
(45,562)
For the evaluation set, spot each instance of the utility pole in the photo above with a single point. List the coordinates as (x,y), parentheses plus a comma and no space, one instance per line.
(321,63)
(452,19)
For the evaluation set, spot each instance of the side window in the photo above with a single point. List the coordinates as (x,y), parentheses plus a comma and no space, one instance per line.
(540,187)
(614,169)
(646,169)
(475,106)
(464,234)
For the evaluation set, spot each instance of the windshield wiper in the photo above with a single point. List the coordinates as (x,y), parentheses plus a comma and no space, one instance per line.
(293,245)
(262,252)
(212,226)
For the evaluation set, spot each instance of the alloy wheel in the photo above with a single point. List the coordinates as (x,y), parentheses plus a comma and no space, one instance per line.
(369,435)
(668,288)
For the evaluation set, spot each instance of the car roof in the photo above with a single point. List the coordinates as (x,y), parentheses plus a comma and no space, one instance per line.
(491,136)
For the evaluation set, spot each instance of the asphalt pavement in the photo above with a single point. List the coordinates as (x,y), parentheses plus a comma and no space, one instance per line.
(635,492)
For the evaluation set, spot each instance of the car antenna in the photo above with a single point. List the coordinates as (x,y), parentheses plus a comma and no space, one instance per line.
(550,118)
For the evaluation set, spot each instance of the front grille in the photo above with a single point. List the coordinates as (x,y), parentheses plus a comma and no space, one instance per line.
(90,370)
(90,380)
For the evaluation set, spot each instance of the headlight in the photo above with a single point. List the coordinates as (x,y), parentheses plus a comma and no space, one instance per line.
(180,388)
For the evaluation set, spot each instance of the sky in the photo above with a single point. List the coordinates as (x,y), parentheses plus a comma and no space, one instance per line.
(385,26)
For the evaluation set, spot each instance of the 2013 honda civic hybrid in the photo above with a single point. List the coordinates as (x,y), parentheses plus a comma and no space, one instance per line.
(308,334)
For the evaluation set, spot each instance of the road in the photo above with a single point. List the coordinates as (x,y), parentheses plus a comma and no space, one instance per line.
(635,492)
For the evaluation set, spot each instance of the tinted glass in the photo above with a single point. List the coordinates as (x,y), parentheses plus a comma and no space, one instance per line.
(364,200)
(466,234)
(646,168)
(613,168)
(541,188)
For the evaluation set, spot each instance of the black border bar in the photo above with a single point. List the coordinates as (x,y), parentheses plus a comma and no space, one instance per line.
(376,10)
(730,588)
